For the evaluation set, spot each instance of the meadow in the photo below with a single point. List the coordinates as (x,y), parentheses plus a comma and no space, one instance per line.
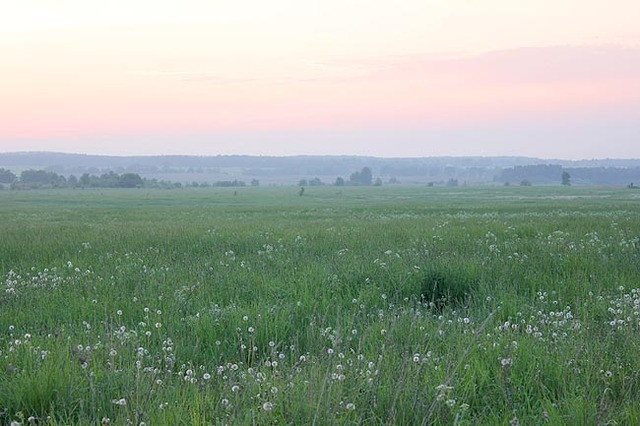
(391,305)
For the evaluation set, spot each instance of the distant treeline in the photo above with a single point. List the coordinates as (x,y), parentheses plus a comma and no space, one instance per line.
(552,174)
(35,179)
(544,174)
(325,170)
(363,177)
(43,179)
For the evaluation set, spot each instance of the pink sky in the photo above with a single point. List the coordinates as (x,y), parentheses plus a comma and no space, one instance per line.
(428,77)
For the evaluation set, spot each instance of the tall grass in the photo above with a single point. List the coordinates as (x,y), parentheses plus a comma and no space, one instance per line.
(364,305)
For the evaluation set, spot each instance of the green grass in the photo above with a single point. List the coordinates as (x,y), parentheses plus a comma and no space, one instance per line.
(393,305)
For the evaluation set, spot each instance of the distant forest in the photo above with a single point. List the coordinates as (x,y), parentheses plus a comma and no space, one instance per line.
(552,173)
(45,169)
(42,179)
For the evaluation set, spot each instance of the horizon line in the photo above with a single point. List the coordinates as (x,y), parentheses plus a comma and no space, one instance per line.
(317,156)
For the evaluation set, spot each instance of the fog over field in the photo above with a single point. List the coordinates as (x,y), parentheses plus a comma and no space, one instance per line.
(326,170)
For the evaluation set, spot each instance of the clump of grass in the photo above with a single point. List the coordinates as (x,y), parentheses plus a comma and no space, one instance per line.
(447,285)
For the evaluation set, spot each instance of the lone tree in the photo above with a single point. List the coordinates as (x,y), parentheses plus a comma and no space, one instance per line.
(7,176)
(566,178)
(130,180)
(363,178)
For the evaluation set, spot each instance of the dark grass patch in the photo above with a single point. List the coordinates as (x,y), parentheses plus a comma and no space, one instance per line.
(447,285)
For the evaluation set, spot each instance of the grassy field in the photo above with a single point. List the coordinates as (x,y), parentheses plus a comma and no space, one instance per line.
(398,305)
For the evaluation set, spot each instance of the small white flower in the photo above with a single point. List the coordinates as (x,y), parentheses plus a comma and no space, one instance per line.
(267,406)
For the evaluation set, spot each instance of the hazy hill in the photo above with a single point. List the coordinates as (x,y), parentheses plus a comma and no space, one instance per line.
(289,169)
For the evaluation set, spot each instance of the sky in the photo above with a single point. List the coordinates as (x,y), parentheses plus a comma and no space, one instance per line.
(543,78)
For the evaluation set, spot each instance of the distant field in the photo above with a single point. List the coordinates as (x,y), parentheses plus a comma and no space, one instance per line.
(391,305)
